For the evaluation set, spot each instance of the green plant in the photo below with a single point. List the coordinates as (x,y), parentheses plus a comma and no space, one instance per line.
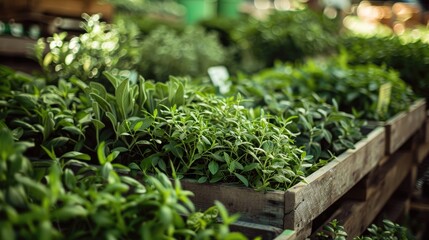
(190,53)
(388,231)
(323,130)
(288,36)
(410,59)
(102,47)
(54,201)
(217,139)
(333,230)
(354,88)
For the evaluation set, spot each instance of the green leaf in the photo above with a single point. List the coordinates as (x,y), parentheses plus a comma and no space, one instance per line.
(112,156)
(250,167)
(69,179)
(100,153)
(121,95)
(73,130)
(134,166)
(51,153)
(69,212)
(98,124)
(242,179)
(205,140)
(6,143)
(101,102)
(35,189)
(112,79)
(213,167)
(6,231)
(202,179)
(76,155)
(137,126)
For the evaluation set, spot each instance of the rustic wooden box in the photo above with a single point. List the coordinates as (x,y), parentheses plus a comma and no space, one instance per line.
(401,127)
(355,215)
(297,207)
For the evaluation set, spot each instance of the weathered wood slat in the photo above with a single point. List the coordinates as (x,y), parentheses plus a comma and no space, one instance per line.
(256,207)
(253,230)
(426,128)
(297,207)
(356,216)
(400,128)
(306,201)
(422,152)
(295,235)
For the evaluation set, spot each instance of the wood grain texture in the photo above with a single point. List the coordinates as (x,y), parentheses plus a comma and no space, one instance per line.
(422,152)
(253,230)
(356,216)
(255,207)
(295,235)
(305,201)
(400,128)
(427,128)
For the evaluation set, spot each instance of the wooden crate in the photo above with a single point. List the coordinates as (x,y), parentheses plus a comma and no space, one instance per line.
(356,216)
(364,189)
(400,128)
(295,208)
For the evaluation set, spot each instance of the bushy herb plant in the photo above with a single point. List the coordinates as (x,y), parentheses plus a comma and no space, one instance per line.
(323,130)
(102,47)
(354,88)
(157,125)
(387,231)
(288,36)
(190,53)
(410,58)
(55,201)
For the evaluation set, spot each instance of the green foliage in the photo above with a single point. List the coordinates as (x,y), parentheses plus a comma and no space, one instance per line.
(323,130)
(388,231)
(333,230)
(57,202)
(191,53)
(354,88)
(141,7)
(410,59)
(288,36)
(158,125)
(102,47)
(218,140)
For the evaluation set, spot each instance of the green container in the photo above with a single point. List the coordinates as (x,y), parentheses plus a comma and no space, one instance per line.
(229,8)
(197,10)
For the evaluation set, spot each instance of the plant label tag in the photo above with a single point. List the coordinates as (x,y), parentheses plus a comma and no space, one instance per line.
(384,97)
(219,76)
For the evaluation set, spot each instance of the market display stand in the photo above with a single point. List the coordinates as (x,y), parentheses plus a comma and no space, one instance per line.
(353,188)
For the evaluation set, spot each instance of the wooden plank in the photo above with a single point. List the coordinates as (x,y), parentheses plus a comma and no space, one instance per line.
(305,201)
(400,128)
(422,152)
(426,130)
(255,207)
(297,207)
(253,230)
(418,206)
(295,235)
(13,46)
(356,216)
